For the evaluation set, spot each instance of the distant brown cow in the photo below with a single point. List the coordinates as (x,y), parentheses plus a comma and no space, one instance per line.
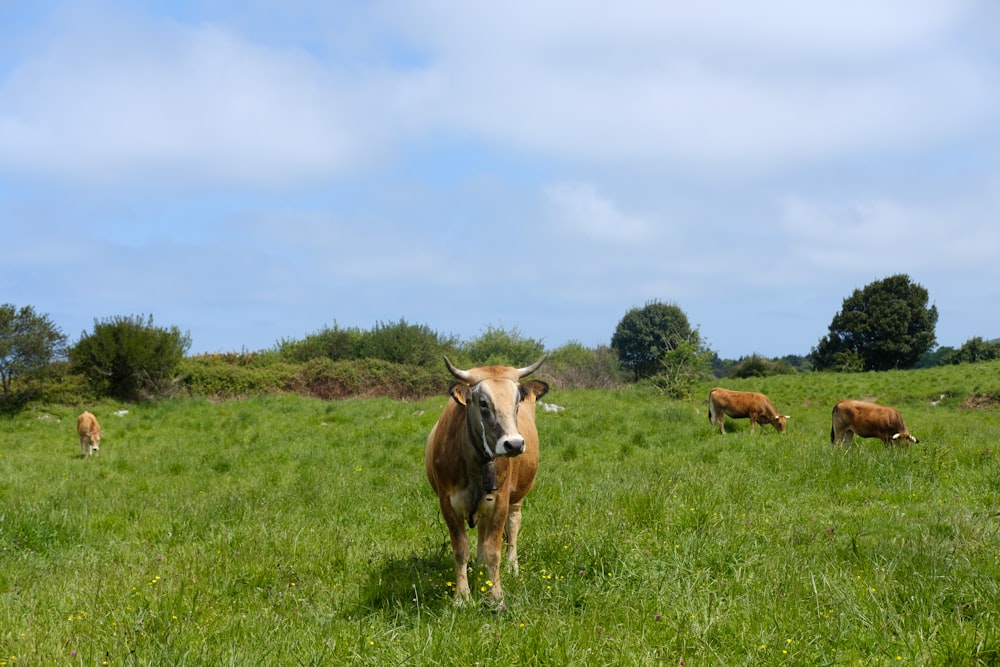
(90,434)
(868,420)
(757,407)
(481,459)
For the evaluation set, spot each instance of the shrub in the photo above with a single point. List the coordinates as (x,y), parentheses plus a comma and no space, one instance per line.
(336,344)
(758,366)
(403,343)
(574,366)
(974,350)
(233,377)
(498,346)
(397,342)
(683,368)
(129,358)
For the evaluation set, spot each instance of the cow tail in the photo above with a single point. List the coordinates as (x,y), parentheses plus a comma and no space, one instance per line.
(832,434)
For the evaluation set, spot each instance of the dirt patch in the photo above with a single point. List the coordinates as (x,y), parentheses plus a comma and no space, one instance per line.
(981,402)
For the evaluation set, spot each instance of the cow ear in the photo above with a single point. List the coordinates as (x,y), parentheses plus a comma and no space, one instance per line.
(535,388)
(458,391)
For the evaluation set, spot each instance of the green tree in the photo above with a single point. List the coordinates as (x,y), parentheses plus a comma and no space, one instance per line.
(129,358)
(644,335)
(886,325)
(29,344)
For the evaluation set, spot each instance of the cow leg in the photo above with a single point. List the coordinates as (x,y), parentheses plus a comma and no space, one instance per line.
(846,438)
(512,529)
(716,417)
(490,540)
(459,550)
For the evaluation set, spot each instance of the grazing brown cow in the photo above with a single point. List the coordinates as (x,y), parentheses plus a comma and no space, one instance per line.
(724,403)
(868,420)
(481,459)
(90,434)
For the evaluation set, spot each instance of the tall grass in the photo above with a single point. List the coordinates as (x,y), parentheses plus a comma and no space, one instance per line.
(288,530)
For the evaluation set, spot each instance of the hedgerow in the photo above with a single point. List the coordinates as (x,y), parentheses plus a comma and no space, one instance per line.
(328,379)
(231,377)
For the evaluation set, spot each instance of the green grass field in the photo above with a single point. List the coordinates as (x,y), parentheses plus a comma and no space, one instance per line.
(292,531)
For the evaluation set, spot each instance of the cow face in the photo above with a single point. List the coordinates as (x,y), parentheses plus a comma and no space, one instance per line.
(492,396)
(777,421)
(491,410)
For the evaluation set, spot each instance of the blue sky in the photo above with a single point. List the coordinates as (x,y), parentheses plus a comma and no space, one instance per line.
(255,171)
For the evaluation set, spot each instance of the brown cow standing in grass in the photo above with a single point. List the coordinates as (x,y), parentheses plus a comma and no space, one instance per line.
(868,420)
(757,407)
(481,459)
(90,434)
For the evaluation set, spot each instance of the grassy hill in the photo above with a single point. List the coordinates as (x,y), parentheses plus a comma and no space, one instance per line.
(290,530)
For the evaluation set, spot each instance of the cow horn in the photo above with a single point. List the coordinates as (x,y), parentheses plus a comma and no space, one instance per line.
(469,378)
(464,376)
(528,370)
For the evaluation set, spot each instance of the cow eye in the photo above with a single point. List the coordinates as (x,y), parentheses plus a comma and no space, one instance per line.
(484,405)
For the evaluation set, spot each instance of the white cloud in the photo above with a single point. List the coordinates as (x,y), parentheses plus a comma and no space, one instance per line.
(582,212)
(114,101)
(884,234)
(711,84)
(641,29)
